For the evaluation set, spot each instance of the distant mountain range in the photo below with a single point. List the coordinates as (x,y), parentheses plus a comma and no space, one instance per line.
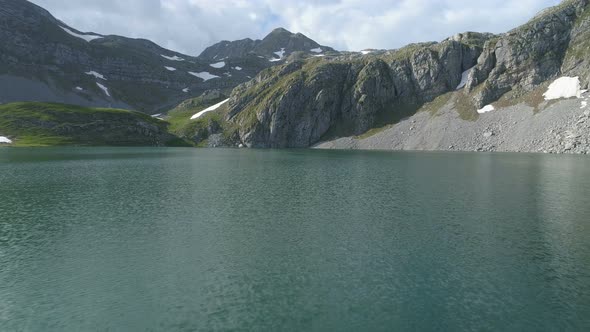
(524,90)
(43,59)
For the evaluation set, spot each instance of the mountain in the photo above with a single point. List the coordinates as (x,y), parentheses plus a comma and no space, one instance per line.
(43,59)
(297,104)
(473,91)
(279,44)
(524,90)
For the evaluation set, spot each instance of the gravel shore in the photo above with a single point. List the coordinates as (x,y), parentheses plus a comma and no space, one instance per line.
(563,127)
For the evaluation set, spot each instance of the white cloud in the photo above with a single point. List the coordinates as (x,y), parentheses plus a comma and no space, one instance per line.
(191,25)
(361,24)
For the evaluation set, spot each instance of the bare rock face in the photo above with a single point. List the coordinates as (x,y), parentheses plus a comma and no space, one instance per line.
(525,57)
(297,104)
(303,102)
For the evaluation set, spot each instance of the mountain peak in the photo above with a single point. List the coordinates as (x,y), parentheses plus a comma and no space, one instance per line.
(281,40)
(280,30)
(278,41)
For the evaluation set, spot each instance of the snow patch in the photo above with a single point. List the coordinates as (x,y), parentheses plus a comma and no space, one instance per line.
(564,87)
(207,110)
(170,68)
(238,68)
(584,104)
(486,109)
(103,88)
(205,76)
(5,140)
(365,52)
(172,58)
(87,38)
(79,88)
(464,78)
(280,54)
(95,74)
(319,55)
(316,50)
(218,65)
(185,90)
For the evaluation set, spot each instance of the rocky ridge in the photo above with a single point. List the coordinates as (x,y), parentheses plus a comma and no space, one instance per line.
(43,59)
(268,47)
(349,95)
(296,104)
(553,43)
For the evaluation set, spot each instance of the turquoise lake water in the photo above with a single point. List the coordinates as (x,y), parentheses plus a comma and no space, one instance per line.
(297,240)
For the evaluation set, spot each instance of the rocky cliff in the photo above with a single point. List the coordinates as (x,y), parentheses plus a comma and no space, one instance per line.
(297,104)
(553,43)
(286,90)
(304,102)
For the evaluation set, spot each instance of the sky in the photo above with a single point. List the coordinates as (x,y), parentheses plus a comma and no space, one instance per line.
(189,26)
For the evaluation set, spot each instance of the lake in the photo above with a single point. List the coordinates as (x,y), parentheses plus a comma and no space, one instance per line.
(135,239)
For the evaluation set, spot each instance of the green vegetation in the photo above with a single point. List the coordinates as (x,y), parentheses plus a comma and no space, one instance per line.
(464,106)
(408,51)
(544,13)
(282,80)
(580,47)
(179,117)
(387,118)
(48,124)
(439,102)
(476,39)
(265,94)
(534,99)
(197,131)
(373,132)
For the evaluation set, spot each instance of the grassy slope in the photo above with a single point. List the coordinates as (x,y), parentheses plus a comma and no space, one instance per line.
(47,124)
(197,130)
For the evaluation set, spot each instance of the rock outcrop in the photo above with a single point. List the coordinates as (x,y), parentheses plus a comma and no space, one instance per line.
(304,102)
(562,127)
(297,104)
(526,57)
